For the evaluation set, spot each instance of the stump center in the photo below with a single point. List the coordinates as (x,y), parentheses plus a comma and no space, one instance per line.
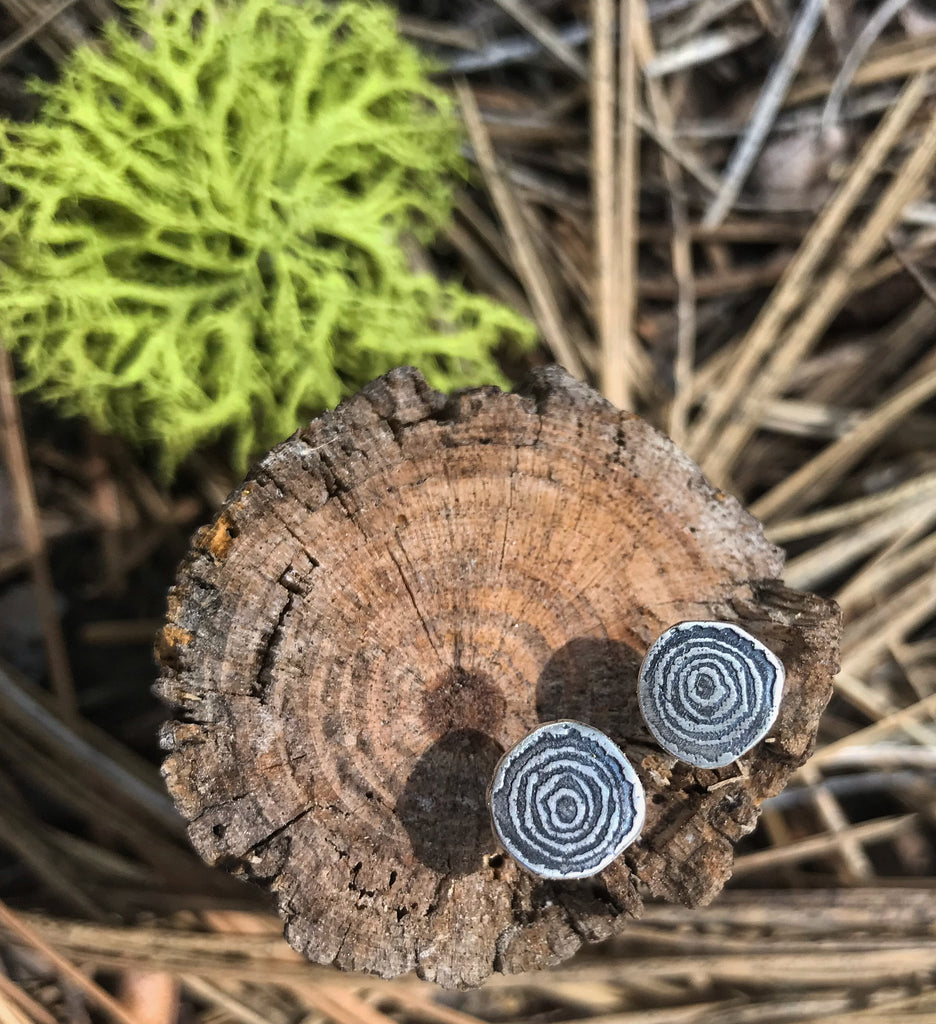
(460,699)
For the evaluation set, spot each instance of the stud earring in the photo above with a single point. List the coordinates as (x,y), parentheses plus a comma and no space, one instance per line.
(565,801)
(709,691)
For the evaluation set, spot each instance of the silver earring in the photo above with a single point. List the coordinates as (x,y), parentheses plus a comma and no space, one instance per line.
(565,801)
(709,691)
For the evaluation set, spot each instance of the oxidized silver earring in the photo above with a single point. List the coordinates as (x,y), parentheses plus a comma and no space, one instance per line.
(565,801)
(709,691)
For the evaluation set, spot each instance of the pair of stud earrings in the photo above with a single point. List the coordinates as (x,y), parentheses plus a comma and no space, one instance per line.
(565,801)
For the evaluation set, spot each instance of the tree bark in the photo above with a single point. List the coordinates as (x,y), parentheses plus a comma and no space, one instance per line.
(402,591)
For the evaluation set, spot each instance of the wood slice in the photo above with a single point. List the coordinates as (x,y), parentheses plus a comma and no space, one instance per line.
(402,591)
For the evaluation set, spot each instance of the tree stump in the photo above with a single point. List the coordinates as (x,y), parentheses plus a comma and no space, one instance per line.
(403,590)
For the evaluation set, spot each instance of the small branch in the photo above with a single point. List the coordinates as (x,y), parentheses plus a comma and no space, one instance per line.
(680,243)
(514,50)
(545,34)
(702,49)
(33,539)
(38,1014)
(874,733)
(18,39)
(743,368)
(832,111)
(526,260)
(603,169)
(818,476)
(27,934)
(919,489)
(26,713)
(621,358)
(768,105)
(817,846)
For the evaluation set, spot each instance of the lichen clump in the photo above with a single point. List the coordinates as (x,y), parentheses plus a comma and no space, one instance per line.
(203,233)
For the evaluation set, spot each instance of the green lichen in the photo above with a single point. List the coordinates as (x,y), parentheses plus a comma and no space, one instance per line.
(202,232)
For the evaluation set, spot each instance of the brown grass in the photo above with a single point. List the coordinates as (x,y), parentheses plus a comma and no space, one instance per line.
(779,324)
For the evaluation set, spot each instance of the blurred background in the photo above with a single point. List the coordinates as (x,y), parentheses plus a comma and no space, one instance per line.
(718,212)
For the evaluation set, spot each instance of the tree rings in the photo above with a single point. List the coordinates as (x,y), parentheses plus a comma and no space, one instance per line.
(709,691)
(565,801)
(403,591)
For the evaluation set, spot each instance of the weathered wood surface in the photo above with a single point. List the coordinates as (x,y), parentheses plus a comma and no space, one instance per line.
(402,591)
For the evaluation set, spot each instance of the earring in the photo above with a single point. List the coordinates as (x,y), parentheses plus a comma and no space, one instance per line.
(565,801)
(709,691)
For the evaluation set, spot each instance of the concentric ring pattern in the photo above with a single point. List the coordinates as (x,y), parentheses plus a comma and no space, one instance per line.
(565,801)
(709,691)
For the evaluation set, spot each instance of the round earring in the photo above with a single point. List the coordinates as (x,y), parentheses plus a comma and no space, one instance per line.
(565,801)
(709,691)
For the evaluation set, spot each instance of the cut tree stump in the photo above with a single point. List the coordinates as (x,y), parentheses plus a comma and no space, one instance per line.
(403,590)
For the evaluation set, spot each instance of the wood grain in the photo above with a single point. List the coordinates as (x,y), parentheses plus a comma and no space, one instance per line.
(399,593)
